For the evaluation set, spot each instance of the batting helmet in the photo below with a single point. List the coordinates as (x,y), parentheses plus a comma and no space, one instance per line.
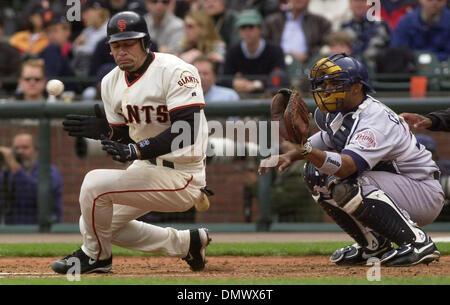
(128,25)
(331,78)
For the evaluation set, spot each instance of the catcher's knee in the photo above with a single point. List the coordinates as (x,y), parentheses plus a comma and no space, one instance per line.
(317,182)
(347,194)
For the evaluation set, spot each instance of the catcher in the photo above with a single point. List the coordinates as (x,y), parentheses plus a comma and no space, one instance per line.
(366,170)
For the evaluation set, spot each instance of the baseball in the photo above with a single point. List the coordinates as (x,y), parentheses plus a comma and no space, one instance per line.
(55,87)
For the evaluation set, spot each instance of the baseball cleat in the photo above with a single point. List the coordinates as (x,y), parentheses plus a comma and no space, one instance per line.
(87,264)
(412,254)
(357,255)
(197,249)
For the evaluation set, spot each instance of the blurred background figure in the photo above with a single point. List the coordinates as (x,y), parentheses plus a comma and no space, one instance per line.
(95,15)
(335,11)
(444,167)
(115,6)
(224,20)
(249,63)
(393,10)
(32,39)
(201,38)
(369,37)
(164,27)
(299,32)
(58,54)
(340,41)
(208,77)
(264,7)
(19,182)
(32,81)
(9,63)
(427,28)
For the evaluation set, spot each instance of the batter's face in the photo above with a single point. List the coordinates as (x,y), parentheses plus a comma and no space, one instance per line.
(129,55)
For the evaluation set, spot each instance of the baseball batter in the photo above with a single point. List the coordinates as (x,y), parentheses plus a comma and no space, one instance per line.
(143,97)
(367,170)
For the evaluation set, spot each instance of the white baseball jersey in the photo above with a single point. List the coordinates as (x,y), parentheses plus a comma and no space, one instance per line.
(144,105)
(379,135)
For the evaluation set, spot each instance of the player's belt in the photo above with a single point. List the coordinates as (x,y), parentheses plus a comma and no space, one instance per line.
(164,163)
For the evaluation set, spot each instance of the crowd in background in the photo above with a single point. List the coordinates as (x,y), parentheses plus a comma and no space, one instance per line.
(250,45)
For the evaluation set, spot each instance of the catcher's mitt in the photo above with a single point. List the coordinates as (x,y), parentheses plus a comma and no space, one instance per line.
(290,110)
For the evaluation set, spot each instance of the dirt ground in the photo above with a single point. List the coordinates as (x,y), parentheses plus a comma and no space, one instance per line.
(225,267)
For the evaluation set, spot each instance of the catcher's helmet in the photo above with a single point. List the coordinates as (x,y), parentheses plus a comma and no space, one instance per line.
(128,25)
(331,78)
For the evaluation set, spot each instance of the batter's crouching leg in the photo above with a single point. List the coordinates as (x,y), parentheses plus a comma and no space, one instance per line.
(96,211)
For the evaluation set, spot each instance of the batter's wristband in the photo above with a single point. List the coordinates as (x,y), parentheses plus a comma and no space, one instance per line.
(332,163)
(136,151)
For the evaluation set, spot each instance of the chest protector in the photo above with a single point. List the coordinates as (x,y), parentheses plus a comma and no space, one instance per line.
(336,125)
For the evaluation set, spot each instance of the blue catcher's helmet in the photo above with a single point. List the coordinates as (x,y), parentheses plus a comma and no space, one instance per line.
(331,78)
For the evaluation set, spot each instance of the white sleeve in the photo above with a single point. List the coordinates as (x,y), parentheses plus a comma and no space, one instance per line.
(184,88)
(320,140)
(371,145)
(113,118)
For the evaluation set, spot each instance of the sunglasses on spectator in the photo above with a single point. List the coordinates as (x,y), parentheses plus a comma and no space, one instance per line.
(162,1)
(247,26)
(36,79)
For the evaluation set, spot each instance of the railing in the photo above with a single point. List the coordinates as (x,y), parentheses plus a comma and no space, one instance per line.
(45,112)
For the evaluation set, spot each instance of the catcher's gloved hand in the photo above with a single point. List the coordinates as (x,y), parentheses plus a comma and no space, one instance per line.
(87,126)
(120,152)
(290,110)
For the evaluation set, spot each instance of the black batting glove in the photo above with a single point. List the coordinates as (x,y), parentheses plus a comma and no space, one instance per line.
(120,152)
(92,127)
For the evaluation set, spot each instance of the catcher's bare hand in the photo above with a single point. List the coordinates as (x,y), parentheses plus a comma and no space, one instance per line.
(280,161)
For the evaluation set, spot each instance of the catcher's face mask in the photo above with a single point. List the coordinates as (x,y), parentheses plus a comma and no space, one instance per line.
(330,85)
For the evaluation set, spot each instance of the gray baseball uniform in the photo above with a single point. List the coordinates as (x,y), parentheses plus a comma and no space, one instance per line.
(387,155)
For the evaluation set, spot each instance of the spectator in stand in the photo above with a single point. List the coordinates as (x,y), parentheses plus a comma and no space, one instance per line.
(208,76)
(339,42)
(224,20)
(95,16)
(164,27)
(32,81)
(201,38)
(369,37)
(58,31)
(393,10)
(33,39)
(297,31)
(58,53)
(9,63)
(427,28)
(264,7)
(335,11)
(251,61)
(115,6)
(19,182)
